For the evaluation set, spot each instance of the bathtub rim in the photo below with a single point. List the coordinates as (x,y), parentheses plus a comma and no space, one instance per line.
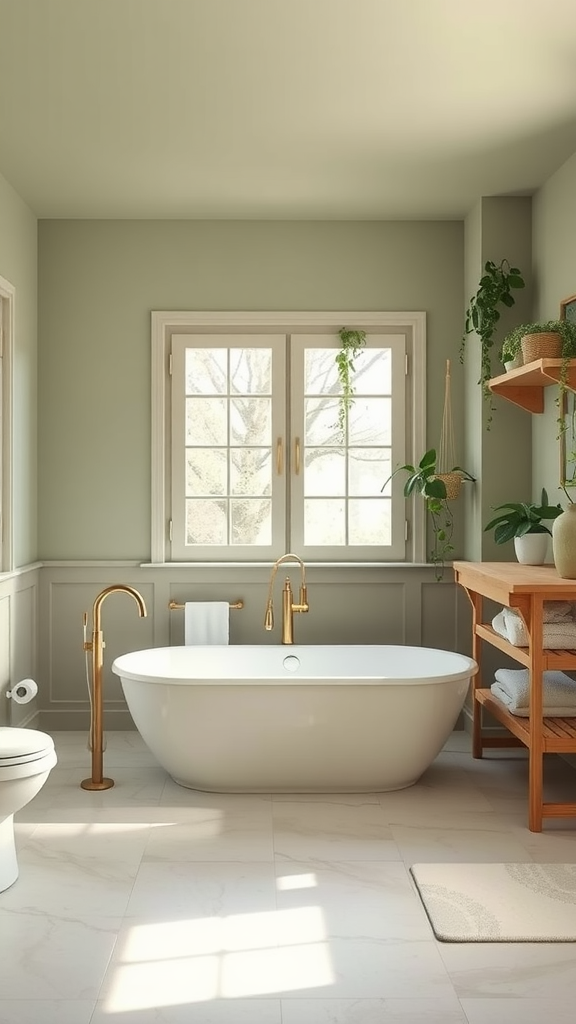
(286,678)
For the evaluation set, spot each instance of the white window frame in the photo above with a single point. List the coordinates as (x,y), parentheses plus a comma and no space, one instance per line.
(275,343)
(164,324)
(299,343)
(7,304)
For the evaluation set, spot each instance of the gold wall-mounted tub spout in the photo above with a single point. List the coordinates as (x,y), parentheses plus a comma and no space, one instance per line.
(288,606)
(96,646)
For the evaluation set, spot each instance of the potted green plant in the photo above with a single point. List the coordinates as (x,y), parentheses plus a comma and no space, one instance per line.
(424,479)
(549,339)
(525,524)
(483,313)
(350,344)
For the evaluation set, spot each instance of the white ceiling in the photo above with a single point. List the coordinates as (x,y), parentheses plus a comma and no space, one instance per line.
(283,109)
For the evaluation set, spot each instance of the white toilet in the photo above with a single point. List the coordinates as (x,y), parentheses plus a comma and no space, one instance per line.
(26,760)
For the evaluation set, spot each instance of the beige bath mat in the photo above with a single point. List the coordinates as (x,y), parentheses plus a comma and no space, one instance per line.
(499,902)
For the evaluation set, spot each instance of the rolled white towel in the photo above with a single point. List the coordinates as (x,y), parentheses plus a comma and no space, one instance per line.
(499,625)
(512,687)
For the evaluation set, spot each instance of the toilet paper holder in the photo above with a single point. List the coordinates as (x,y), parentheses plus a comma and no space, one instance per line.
(23,692)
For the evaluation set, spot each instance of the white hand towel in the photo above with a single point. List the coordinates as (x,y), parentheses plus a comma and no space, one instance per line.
(206,622)
(512,687)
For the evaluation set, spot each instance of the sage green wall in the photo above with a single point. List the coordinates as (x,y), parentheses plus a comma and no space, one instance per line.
(498,449)
(98,282)
(555,275)
(18,265)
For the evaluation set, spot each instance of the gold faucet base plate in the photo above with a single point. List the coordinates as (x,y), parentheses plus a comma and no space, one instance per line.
(105,784)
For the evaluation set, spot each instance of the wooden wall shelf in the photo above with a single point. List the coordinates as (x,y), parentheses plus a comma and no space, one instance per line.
(525,386)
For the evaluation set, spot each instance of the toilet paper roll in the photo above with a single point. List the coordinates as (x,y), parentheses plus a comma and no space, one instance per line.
(24,691)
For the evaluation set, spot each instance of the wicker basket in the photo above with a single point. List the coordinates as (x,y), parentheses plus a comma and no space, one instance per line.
(541,346)
(452,482)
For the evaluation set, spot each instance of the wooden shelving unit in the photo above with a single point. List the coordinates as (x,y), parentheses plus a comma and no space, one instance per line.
(525,588)
(525,386)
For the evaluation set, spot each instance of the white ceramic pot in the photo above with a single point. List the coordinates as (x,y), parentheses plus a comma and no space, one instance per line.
(531,549)
(514,364)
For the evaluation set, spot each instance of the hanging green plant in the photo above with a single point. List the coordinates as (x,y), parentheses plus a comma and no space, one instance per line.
(424,479)
(482,316)
(351,343)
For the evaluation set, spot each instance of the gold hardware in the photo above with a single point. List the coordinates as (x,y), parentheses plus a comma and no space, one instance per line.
(297,456)
(288,606)
(96,645)
(174,606)
(279,456)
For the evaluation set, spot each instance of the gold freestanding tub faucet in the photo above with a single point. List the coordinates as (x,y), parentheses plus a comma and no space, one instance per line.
(96,646)
(288,606)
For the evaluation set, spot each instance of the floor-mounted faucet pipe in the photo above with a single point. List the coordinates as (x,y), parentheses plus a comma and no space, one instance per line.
(96,646)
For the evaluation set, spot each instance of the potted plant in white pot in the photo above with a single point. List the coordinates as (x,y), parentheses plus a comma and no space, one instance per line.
(525,525)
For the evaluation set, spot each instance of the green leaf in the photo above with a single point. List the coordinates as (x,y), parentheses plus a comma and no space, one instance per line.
(428,459)
(435,488)
(504,532)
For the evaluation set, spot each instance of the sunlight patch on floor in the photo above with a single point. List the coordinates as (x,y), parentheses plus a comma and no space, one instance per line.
(177,962)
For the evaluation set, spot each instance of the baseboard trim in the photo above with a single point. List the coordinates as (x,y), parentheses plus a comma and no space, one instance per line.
(74,721)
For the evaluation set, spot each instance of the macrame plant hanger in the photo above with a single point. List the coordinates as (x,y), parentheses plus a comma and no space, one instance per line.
(447,448)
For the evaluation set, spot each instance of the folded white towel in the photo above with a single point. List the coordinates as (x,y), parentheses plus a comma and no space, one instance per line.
(557,611)
(557,635)
(512,687)
(206,622)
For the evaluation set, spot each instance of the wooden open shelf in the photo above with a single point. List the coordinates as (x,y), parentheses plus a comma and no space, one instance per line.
(525,386)
(558,734)
(525,588)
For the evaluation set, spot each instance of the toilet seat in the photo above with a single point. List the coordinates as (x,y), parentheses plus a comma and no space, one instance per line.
(23,746)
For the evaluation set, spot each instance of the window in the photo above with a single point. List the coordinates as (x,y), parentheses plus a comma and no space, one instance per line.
(250,457)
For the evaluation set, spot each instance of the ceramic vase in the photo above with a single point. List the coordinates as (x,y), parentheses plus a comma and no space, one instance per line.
(564,543)
(531,549)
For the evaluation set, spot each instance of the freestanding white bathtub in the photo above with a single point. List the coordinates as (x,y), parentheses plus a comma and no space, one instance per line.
(294,719)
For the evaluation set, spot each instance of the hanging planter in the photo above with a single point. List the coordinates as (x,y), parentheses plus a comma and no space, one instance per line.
(447,471)
(438,479)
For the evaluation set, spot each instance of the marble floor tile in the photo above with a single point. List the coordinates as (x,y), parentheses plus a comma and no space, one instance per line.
(459,740)
(185,971)
(213,834)
(53,957)
(133,787)
(342,968)
(54,882)
(46,1011)
(355,899)
(198,890)
(528,970)
(331,830)
(518,1011)
(472,838)
(373,1011)
(88,842)
(212,1011)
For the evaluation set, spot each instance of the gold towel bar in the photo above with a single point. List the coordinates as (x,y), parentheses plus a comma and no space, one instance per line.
(174,606)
